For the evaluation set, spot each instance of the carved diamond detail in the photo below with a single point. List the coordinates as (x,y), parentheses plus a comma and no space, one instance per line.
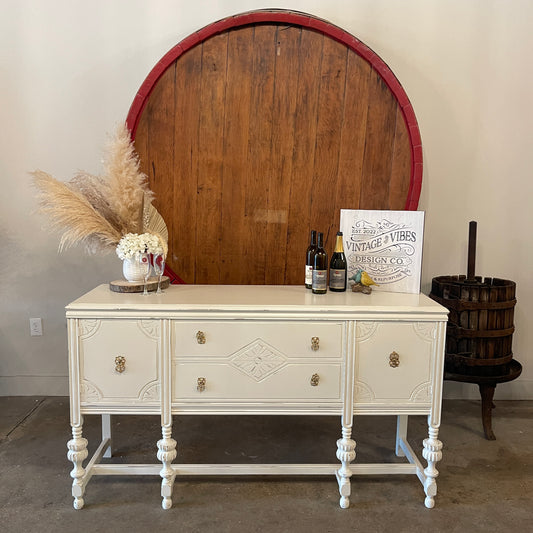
(258,360)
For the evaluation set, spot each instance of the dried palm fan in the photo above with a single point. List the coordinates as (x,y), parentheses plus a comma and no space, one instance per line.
(97,211)
(153,223)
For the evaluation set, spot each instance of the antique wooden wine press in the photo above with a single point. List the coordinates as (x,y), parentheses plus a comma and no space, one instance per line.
(479,331)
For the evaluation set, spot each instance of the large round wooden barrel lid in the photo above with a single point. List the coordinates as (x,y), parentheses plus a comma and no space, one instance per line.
(261,127)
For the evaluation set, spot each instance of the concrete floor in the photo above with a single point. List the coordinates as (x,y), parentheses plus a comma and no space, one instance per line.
(483,485)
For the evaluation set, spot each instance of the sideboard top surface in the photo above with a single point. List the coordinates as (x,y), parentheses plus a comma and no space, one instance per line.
(254,299)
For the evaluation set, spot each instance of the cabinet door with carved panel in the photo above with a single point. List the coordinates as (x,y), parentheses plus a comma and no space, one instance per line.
(119,361)
(393,363)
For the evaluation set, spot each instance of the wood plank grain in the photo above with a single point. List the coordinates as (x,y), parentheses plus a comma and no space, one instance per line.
(157,130)
(381,126)
(482,319)
(328,138)
(401,164)
(282,146)
(210,159)
(305,125)
(353,133)
(259,162)
(141,143)
(186,148)
(236,128)
(248,150)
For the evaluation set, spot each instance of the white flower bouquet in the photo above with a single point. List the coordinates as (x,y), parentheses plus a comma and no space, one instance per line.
(133,243)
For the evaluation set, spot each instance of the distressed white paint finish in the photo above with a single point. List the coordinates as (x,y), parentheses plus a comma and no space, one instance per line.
(257,359)
(166,454)
(376,379)
(223,338)
(101,341)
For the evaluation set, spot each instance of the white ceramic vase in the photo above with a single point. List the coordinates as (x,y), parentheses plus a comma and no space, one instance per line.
(134,269)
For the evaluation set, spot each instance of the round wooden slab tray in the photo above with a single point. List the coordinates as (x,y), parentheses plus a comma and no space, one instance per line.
(121,285)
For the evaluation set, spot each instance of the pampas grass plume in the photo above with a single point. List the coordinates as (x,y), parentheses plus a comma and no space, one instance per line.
(127,185)
(69,209)
(97,211)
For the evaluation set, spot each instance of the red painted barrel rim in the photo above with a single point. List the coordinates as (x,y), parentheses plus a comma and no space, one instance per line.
(306,21)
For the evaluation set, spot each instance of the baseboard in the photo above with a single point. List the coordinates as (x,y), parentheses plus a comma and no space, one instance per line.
(33,385)
(520,389)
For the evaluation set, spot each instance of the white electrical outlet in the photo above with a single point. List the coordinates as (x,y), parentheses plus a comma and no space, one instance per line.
(36,327)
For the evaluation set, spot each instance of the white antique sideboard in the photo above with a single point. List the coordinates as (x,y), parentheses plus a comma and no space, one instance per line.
(262,350)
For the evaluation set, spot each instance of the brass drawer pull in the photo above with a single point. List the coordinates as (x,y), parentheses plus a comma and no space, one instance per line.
(315,343)
(394,360)
(120,364)
(200,384)
(315,378)
(200,337)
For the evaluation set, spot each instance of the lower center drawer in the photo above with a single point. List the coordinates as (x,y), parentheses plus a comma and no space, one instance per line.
(222,381)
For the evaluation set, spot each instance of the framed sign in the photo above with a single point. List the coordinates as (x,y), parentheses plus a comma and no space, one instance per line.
(385,244)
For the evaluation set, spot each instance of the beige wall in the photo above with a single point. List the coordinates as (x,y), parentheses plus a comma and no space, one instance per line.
(69,70)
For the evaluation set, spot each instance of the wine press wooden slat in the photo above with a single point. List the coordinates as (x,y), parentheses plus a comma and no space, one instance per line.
(480,326)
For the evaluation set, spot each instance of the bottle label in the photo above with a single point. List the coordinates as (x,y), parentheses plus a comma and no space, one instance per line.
(320,279)
(337,278)
(308,274)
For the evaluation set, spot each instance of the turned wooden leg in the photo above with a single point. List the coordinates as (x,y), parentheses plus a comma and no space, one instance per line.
(77,453)
(487,394)
(432,454)
(345,454)
(166,454)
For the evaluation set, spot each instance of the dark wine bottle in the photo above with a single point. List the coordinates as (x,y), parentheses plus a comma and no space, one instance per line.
(320,267)
(337,267)
(309,258)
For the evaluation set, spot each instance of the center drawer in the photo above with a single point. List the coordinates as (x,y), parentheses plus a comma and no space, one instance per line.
(226,338)
(226,383)
(256,360)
